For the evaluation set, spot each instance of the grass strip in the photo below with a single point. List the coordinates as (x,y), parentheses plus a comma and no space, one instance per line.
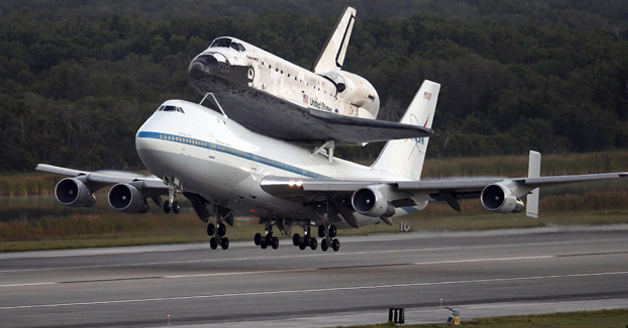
(592,319)
(129,230)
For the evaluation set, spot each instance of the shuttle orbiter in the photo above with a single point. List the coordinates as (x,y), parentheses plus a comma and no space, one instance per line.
(276,98)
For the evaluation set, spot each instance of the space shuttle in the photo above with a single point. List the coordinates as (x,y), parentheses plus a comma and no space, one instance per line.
(274,97)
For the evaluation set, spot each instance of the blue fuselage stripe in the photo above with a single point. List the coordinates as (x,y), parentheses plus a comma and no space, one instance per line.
(230,151)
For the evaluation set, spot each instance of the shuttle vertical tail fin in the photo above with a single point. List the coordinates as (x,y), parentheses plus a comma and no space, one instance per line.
(406,157)
(333,54)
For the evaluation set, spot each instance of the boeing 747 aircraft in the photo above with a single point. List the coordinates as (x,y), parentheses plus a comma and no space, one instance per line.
(271,96)
(224,168)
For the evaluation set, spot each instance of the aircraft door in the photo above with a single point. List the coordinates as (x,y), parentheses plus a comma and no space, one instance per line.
(212,147)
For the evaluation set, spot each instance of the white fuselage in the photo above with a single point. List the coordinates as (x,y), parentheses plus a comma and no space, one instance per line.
(225,162)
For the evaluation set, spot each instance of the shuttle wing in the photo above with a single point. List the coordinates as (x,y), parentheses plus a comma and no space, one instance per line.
(359,130)
(292,122)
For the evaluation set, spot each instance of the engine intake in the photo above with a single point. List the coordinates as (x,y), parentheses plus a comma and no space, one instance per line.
(72,192)
(126,198)
(499,198)
(371,202)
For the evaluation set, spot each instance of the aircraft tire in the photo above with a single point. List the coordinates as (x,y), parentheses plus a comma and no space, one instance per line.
(302,244)
(167,207)
(224,243)
(295,239)
(176,207)
(332,231)
(263,243)
(257,239)
(321,231)
(212,243)
(324,245)
(313,244)
(307,240)
(211,229)
(335,245)
(222,230)
(269,239)
(275,243)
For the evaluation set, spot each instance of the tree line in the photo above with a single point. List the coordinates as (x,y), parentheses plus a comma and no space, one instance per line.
(74,90)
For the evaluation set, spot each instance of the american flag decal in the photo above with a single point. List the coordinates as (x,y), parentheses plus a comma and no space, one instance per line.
(306,99)
(427,95)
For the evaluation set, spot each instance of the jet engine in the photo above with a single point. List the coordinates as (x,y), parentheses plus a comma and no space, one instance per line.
(371,202)
(72,192)
(126,198)
(499,198)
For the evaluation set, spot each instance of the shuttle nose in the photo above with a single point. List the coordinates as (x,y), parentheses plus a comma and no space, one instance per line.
(203,66)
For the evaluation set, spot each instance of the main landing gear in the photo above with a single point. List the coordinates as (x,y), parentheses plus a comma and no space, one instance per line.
(268,239)
(306,241)
(218,232)
(328,235)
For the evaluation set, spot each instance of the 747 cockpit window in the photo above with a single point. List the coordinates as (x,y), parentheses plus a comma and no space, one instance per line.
(170,108)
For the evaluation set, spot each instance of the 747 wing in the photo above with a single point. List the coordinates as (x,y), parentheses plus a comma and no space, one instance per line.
(381,198)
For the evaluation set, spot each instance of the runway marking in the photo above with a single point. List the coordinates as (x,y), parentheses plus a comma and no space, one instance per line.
(29,285)
(319,290)
(264,258)
(238,273)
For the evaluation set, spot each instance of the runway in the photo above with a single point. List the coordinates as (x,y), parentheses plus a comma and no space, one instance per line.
(478,273)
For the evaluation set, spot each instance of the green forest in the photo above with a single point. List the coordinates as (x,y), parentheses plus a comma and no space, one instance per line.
(78,78)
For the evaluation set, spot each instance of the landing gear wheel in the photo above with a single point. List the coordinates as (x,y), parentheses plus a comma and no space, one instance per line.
(166,207)
(224,243)
(258,239)
(332,231)
(335,245)
(263,243)
(275,243)
(212,243)
(307,240)
(269,239)
(324,245)
(222,230)
(295,239)
(211,229)
(302,244)
(176,207)
(313,244)
(321,231)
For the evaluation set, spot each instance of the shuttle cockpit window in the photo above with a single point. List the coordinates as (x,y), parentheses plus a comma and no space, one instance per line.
(227,43)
